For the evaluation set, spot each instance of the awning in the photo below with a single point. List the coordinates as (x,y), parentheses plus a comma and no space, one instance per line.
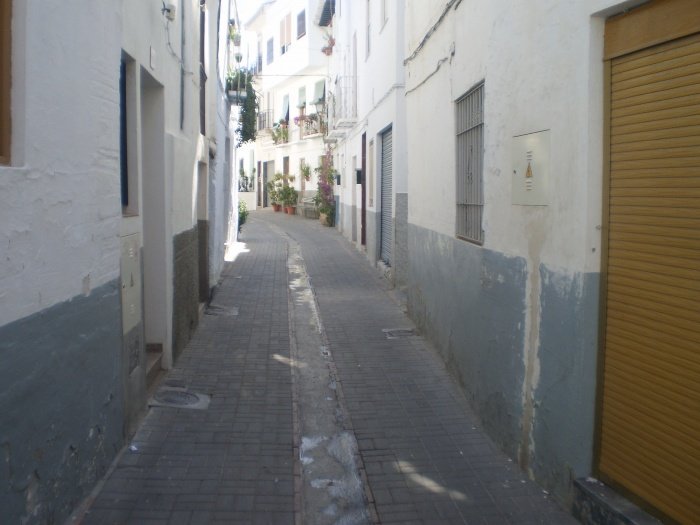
(285,109)
(327,10)
(319,92)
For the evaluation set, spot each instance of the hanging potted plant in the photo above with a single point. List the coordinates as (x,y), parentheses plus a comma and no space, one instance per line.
(233,33)
(328,48)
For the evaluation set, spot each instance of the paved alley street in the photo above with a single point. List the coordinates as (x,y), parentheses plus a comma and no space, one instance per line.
(322,407)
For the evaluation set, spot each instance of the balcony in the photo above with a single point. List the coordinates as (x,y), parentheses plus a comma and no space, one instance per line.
(342,107)
(309,125)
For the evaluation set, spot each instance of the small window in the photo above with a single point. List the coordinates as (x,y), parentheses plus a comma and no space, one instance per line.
(5,82)
(301,24)
(270,50)
(470,164)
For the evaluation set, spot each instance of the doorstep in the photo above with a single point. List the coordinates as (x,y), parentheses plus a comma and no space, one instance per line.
(597,504)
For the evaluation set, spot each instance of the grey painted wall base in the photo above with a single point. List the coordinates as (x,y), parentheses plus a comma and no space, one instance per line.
(61,405)
(186,288)
(372,238)
(471,303)
(203,260)
(401,241)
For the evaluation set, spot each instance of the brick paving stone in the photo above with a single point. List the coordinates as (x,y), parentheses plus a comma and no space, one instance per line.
(425,459)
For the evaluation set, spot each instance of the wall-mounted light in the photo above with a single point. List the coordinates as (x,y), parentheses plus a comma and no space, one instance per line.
(169,11)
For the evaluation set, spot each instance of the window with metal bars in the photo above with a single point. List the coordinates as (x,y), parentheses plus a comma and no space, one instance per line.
(470,162)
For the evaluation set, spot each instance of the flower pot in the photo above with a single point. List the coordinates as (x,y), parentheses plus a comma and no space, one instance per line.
(276,207)
(291,210)
(324,219)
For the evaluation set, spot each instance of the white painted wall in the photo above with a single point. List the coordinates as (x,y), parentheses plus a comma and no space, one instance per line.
(542,63)
(60,213)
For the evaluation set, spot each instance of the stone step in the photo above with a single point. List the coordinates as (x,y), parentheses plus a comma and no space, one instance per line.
(154,357)
(597,504)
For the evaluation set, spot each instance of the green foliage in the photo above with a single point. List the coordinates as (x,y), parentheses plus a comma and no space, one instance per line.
(242,214)
(242,80)
(324,198)
(280,132)
(306,172)
(274,189)
(288,196)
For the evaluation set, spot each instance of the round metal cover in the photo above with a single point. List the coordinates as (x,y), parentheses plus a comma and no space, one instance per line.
(176,397)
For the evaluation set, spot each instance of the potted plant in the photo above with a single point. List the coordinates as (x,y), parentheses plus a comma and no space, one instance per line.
(289,198)
(306,172)
(273,194)
(242,214)
(328,48)
(280,132)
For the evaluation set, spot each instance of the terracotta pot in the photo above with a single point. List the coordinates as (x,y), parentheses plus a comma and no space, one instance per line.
(277,207)
(324,219)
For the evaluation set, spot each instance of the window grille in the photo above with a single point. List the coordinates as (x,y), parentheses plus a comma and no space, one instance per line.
(470,163)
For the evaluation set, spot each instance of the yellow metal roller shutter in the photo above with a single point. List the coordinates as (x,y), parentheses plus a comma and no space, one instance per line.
(650,428)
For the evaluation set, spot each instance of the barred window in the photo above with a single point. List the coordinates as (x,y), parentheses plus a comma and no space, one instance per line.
(470,163)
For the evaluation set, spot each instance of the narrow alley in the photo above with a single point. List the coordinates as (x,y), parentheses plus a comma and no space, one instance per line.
(313,403)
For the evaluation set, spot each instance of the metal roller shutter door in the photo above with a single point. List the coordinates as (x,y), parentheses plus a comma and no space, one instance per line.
(387,236)
(650,427)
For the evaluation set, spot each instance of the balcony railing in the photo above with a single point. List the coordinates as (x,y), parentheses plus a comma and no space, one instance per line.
(309,125)
(264,119)
(342,105)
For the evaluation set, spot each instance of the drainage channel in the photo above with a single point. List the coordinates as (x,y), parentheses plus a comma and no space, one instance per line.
(331,484)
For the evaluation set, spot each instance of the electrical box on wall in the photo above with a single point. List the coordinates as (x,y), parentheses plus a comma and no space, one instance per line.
(530,154)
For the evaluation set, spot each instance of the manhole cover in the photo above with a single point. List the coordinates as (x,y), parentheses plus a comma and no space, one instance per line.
(398,333)
(176,397)
(179,398)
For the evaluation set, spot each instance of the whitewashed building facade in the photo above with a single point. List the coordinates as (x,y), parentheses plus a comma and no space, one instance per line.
(367,124)
(290,77)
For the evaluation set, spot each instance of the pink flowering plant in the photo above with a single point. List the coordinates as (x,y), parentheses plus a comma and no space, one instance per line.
(324,198)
